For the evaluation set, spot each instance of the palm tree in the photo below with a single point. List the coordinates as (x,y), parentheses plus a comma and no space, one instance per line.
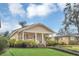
(22,23)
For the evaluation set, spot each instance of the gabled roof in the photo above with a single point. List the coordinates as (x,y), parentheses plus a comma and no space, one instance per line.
(30,26)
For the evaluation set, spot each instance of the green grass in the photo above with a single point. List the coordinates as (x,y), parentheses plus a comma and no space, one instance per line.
(34,52)
(72,47)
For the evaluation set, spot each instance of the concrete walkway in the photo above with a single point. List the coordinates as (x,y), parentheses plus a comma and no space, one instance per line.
(65,50)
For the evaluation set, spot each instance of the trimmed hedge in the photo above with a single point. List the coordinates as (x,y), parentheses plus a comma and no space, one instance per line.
(23,43)
(50,42)
(31,43)
(19,43)
(12,42)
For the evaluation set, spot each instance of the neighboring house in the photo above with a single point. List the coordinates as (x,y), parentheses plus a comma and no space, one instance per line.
(68,39)
(34,31)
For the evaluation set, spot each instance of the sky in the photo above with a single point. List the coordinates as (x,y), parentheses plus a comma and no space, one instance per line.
(49,14)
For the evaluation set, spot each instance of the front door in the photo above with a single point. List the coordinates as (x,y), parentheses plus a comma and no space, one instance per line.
(39,37)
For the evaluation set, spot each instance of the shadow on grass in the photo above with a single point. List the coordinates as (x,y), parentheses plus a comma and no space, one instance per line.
(11,53)
(2,51)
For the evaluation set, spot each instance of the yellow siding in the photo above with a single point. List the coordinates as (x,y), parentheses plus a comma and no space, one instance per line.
(15,36)
(38,29)
(20,35)
(64,39)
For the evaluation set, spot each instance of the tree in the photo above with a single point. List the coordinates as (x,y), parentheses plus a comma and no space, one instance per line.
(22,23)
(71,16)
(3,44)
(75,16)
(67,12)
(61,32)
(6,34)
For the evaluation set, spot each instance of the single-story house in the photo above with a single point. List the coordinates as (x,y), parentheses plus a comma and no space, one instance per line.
(34,31)
(40,32)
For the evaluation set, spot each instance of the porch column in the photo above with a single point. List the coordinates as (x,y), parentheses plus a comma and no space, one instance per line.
(42,38)
(23,35)
(35,36)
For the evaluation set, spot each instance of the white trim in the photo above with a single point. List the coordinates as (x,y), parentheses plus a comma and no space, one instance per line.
(35,36)
(37,32)
(42,38)
(23,35)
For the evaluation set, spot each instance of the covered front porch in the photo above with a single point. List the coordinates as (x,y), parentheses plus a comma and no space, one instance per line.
(34,35)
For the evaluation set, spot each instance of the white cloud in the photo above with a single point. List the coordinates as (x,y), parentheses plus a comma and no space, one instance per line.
(5,26)
(35,10)
(16,9)
(40,10)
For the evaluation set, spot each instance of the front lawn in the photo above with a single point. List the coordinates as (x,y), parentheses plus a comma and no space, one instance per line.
(34,52)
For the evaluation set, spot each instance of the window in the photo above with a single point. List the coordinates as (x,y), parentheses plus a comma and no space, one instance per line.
(29,36)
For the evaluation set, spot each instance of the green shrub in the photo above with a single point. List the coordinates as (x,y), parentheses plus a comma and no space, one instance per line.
(62,43)
(19,43)
(12,42)
(31,43)
(23,43)
(3,43)
(50,42)
(40,45)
